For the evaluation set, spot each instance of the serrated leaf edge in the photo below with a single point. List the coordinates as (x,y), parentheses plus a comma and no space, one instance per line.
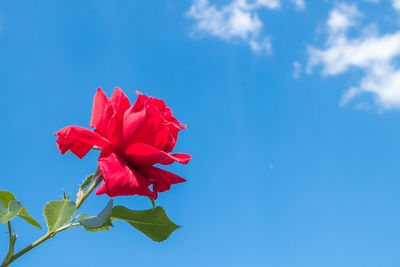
(44,214)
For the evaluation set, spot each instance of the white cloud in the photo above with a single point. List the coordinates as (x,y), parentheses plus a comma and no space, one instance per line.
(396,4)
(343,17)
(296,69)
(300,4)
(370,52)
(236,21)
(266,3)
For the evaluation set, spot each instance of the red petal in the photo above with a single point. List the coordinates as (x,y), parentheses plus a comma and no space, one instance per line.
(142,154)
(139,103)
(161,178)
(151,122)
(78,148)
(79,140)
(101,113)
(159,103)
(119,179)
(120,103)
(183,158)
(141,125)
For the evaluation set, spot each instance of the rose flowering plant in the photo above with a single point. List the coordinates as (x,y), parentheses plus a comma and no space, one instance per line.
(132,139)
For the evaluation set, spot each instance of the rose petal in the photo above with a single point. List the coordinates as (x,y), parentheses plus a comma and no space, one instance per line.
(161,178)
(78,148)
(79,140)
(119,179)
(101,113)
(120,103)
(143,154)
(151,122)
(141,125)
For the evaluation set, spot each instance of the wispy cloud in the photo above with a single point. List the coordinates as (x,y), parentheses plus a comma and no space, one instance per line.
(296,69)
(300,4)
(342,17)
(236,21)
(370,52)
(396,4)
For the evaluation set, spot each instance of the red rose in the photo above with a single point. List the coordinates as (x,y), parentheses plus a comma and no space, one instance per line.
(133,138)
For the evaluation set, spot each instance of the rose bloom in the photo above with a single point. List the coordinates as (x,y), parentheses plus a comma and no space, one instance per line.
(133,139)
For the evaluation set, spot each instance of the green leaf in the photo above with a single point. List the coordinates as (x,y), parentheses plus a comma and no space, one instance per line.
(14,208)
(153,222)
(58,213)
(6,197)
(3,209)
(85,183)
(24,214)
(100,222)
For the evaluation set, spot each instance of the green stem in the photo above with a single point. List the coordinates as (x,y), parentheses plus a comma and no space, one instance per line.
(90,190)
(47,236)
(10,236)
(11,243)
(12,257)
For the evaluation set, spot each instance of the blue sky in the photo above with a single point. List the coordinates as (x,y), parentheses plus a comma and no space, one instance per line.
(292,110)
